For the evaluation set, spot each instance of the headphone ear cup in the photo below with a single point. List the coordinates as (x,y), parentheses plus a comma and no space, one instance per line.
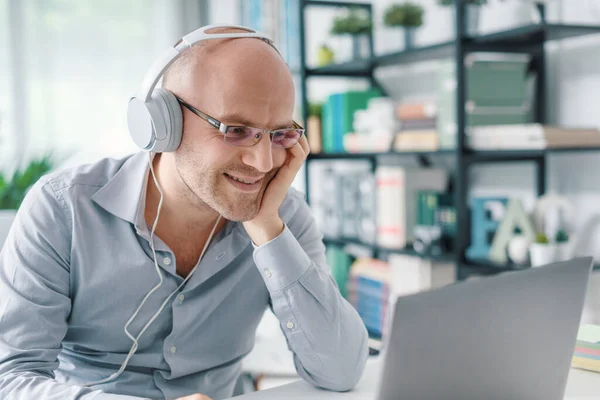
(174,120)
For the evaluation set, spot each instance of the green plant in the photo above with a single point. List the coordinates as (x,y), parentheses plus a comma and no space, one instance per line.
(408,14)
(355,22)
(561,236)
(451,2)
(13,190)
(315,109)
(541,237)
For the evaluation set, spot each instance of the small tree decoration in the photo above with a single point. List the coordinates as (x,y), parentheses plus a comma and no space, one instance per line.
(407,15)
(356,22)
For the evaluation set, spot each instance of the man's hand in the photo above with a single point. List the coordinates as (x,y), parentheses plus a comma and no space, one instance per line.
(197,396)
(267,225)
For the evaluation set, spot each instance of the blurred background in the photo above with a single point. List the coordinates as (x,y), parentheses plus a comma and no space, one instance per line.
(447,143)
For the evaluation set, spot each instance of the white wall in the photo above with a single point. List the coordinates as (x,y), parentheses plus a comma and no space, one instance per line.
(224,11)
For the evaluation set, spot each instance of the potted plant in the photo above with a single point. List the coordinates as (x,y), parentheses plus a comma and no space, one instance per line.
(407,15)
(565,242)
(14,188)
(472,10)
(541,252)
(355,23)
(325,55)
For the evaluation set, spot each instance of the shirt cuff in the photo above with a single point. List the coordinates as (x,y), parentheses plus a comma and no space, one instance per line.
(282,261)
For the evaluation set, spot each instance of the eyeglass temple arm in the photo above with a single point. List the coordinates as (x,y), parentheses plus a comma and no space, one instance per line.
(217,124)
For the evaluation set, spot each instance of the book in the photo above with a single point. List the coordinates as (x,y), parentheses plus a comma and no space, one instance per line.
(410,111)
(530,136)
(397,189)
(587,348)
(497,93)
(369,292)
(417,141)
(338,114)
(313,134)
(413,274)
(426,124)
(367,143)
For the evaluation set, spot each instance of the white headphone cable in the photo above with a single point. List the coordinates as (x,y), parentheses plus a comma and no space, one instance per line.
(135,340)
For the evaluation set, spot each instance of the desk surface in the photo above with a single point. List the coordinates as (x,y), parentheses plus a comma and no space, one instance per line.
(581,385)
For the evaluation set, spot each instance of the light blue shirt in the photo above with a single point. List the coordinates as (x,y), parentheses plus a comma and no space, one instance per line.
(77,263)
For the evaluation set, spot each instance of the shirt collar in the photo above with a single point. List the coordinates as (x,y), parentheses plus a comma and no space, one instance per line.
(123,194)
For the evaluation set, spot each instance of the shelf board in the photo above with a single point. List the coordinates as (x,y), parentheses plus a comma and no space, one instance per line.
(324,3)
(488,266)
(471,156)
(407,251)
(481,156)
(346,156)
(513,40)
(355,68)
(415,54)
(528,35)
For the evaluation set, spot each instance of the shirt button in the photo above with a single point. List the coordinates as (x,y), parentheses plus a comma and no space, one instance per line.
(181,298)
(290,325)
(167,261)
(268,273)
(173,349)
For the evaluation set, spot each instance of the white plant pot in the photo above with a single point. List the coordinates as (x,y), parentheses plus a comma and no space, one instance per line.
(542,254)
(564,251)
(6,219)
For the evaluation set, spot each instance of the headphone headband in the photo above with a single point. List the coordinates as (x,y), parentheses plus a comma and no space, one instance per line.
(168,57)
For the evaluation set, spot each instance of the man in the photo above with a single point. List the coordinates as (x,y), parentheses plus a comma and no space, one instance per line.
(81,255)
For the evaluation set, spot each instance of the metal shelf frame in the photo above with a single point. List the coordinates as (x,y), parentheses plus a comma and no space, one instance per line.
(529,39)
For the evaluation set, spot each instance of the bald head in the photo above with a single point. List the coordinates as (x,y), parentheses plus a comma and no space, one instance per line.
(210,54)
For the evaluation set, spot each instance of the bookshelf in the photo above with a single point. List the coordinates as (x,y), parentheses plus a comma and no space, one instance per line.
(521,39)
(529,39)
(379,249)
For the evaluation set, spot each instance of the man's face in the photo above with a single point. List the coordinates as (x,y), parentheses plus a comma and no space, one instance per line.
(239,89)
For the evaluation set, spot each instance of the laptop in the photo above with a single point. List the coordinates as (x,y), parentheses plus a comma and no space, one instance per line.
(510,336)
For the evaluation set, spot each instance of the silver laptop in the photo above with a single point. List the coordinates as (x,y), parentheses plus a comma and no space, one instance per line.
(506,337)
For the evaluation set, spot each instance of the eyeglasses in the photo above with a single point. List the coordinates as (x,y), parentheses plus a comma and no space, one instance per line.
(245,136)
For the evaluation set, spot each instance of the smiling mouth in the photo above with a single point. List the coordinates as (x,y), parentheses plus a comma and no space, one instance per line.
(246,181)
(248,185)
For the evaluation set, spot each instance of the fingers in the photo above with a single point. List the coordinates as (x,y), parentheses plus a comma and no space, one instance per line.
(300,150)
(298,155)
(304,143)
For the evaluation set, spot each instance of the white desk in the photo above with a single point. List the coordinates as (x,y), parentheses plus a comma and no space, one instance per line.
(581,385)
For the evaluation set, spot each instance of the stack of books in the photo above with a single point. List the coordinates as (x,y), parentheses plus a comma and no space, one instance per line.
(374,285)
(338,114)
(530,137)
(418,126)
(497,93)
(369,290)
(587,348)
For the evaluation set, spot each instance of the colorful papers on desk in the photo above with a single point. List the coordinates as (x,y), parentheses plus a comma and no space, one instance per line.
(587,348)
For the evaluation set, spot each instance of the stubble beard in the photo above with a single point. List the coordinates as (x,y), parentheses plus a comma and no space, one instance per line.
(208,188)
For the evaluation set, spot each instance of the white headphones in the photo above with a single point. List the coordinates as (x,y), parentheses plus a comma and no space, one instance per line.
(154,115)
